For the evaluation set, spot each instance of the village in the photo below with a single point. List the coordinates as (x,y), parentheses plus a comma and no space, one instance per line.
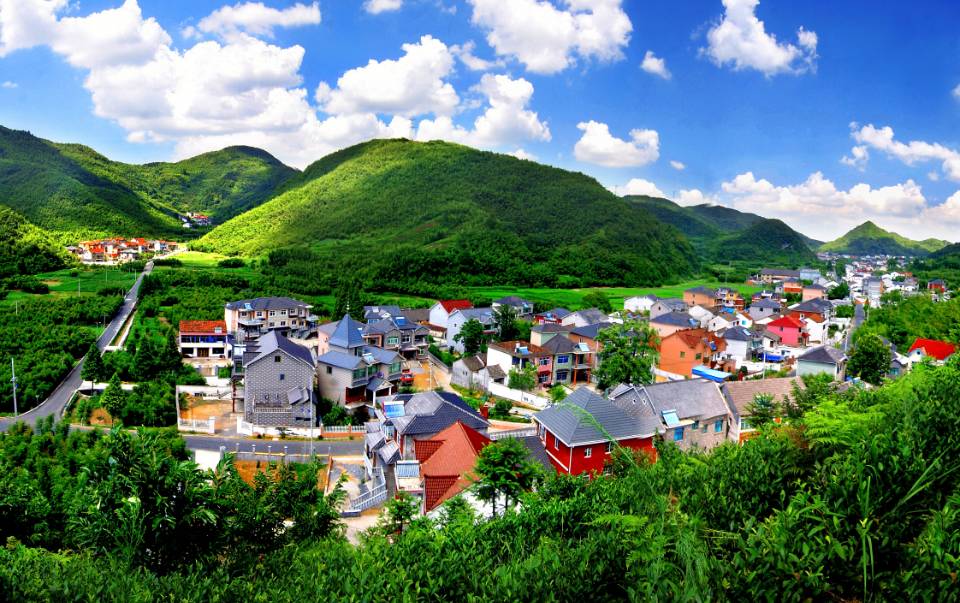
(116,250)
(426,389)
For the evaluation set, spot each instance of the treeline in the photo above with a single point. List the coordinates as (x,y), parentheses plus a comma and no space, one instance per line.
(856,496)
(46,337)
(901,322)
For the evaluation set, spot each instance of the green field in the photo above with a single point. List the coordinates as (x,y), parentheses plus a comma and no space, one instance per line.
(572,298)
(69,281)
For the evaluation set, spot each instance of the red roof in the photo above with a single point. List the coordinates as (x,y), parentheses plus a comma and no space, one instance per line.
(206,327)
(455,304)
(941,350)
(447,461)
(786,322)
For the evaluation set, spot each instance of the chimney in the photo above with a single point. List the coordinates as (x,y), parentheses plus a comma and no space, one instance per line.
(485,411)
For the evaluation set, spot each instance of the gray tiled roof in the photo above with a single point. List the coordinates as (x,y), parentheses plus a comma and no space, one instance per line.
(473,363)
(591,331)
(381,355)
(340,360)
(560,313)
(673,303)
(537,453)
(592,315)
(570,421)
(272,341)
(738,334)
(823,355)
(348,333)
(703,290)
(813,305)
(266,303)
(512,300)
(550,327)
(484,315)
(431,412)
(376,312)
(559,345)
(696,399)
(675,319)
(766,303)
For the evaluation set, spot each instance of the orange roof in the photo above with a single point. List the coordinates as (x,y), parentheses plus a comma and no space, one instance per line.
(455,304)
(511,346)
(207,327)
(697,337)
(447,460)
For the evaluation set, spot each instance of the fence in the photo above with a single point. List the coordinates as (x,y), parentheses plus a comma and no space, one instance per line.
(437,362)
(197,425)
(321,431)
(498,389)
(373,497)
(513,433)
(207,392)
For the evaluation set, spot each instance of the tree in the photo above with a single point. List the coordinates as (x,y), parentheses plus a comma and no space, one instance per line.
(524,379)
(93,368)
(457,510)
(113,397)
(762,411)
(598,300)
(870,359)
(348,298)
(505,321)
(557,393)
(841,291)
(504,472)
(472,337)
(501,409)
(629,353)
(400,511)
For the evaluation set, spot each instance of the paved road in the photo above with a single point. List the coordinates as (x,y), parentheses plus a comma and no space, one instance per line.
(58,400)
(339,447)
(859,315)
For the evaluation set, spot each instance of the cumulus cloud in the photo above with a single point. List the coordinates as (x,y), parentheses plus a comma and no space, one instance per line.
(677,165)
(956,92)
(375,7)
(255,18)
(741,40)
(506,119)
(9,85)
(599,147)
(408,86)
(638,186)
(464,52)
(858,157)
(655,65)
(910,153)
(694,196)
(548,39)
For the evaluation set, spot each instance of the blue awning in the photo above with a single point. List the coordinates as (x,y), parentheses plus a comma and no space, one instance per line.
(709,373)
(768,357)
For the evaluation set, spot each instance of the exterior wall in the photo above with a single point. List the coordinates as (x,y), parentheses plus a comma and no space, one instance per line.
(702,435)
(462,376)
(496,357)
(760,313)
(438,316)
(637,304)
(814,316)
(217,348)
(738,349)
(719,323)
(262,378)
(455,323)
(667,330)
(805,367)
(809,294)
(698,299)
(659,308)
(788,336)
(671,360)
(333,385)
(573,461)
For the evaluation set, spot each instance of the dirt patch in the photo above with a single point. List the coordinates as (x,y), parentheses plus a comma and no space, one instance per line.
(51,282)
(101,418)
(248,470)
(202,410)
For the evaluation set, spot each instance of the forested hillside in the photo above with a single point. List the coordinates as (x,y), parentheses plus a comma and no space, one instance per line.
(870,239)
(26,249)
(768,241)
(411,212)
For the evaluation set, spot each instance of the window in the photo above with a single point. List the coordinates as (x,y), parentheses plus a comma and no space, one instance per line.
(544,361)
(563,359)
(556,443)
(609,447)
(718,426)
(696,424)
(683,354)
(277,358)
(587,453)
(678,434)
(699,356)
(283,323)
(283,312)
(393,340)
(329,370)
(273,312)
(282,376)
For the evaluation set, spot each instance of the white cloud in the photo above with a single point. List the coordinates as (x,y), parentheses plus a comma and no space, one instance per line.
(521,154)
(411,85)
(599,147)
(910,153)
(695,196)
(506,120)
(375,7)
(256,19)
(956,92)
(933,176)
(655,65)
(464,52)
(548,39)
(858,158)
(638,186)
(9,85)
(740,39)
(677,165)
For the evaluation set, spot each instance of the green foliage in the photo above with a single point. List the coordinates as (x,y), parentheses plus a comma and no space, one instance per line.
(349,298)
(411,215)
(472,337)
(870,239)
(93,368)
(628,355)
(768,241)
(524,379)
(914,317)
(26,249)
(841,291)
(504,473)
(113,398)
(845,311)
(870,359)
(762,411)
(231,263)
(398,513)
(501,409)
(505,322)
(598,300)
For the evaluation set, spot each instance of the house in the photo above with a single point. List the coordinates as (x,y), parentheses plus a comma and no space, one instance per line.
(741,343)
(692,413)
(671,322)
(792,287)
(814,291)
(447,462)
(421,416)
(588,336)
(517,355)
(521,307)
(372,314)
(458,318)
(731,299)
(818,310)
(203,339)
(471,372)
(790,330)
(938,350)
(255,316)
(809,274)
(938,285)
(440,312)
(572,362)
(639,304)
(544,332)
(420,316)
(700,296)
(739,395)
(701,314)
(770,275)
(822,360)
(278,382)
(350,371)
(555,315)
(763,308)
(578,441)
(873,289)
(582,318)
(683,350)
(662,306)
(396,333)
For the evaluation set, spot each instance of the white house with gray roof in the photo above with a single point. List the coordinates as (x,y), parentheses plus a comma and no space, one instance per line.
(459,317)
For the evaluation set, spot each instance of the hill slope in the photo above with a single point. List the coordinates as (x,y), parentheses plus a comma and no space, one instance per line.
(725,218)
(771,240)
(26,249)
(74,192)
(870,239)
(440,208)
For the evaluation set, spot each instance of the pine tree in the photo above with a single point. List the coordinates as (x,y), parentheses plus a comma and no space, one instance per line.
(113,398)
(93,368)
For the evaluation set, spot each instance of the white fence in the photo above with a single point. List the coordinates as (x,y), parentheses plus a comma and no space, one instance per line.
(513,433)
(207,392)
(372,498)
(498,389)
(249,429)
(197,425)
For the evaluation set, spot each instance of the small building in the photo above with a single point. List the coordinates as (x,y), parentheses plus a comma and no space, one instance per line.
(203,339)
(554,315)
(938,350)
(740,395)
(741,343)
(458,318)
(770,275)
(790,330)
(663,306)
(639,304)
(700,296)
(582,318)
(671,322)
(763,308)
(517,355)
(683,350)
(278,382)
(411,417)
(814,291)
(521,307)
(937,285)
(440,312)
(822,360)
(470,372)
(544,332)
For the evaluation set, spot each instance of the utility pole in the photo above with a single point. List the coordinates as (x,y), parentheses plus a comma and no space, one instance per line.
(312,406)
(13,380)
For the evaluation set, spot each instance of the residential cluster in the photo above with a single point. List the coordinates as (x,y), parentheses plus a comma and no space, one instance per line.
(119,250)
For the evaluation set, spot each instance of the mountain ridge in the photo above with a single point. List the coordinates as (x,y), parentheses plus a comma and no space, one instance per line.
(869,239)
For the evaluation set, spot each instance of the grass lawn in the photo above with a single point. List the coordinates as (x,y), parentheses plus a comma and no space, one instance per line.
(572,298)
(64,283)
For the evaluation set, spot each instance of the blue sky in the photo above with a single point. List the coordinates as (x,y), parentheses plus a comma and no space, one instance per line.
(823,114)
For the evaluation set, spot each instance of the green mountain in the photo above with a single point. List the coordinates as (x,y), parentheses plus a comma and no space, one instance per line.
(725,218)
(74,192)
(770,240)
(26,249)
(870,239)
(684,219)
(407,208)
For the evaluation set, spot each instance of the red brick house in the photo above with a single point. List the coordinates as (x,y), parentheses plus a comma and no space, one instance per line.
(574,444)
(938,285)
(446,463)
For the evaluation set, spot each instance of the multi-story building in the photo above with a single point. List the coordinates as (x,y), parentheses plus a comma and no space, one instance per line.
(203,339)
(396,333)
(517,355)
(278,382)
(350,371)
(458,318)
